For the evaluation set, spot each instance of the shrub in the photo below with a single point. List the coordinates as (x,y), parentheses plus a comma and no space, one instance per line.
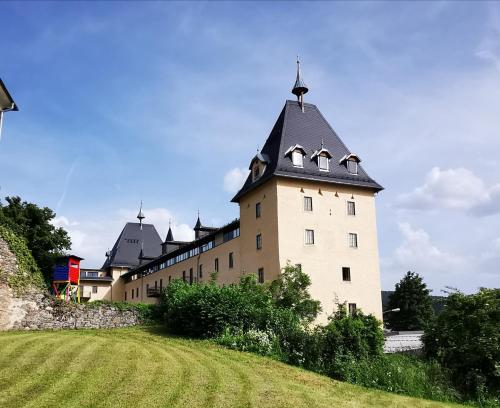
(255,341)
(465,338)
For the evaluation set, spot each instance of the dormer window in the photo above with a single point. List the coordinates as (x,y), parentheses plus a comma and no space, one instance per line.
(352,166)
(351,162)
(296,153)
(297,158)
(258,165)
(322,157)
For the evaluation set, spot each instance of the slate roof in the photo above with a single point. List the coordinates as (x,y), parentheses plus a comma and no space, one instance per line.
(127,247)
(309,129)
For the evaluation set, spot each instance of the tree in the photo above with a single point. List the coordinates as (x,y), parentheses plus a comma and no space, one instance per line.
(465,338)
(291,291)
(33,223)
(413,300)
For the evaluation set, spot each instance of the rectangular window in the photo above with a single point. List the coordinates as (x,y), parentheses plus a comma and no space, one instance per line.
(231,260)
(258,241)
(257,210)
(94,289)
(351,208)
(308,204)
(346,274)
(216,266)
(156,285)
(136,292)
(161,284)
(297,158)
(170,279)
(201,271)
(261,275)
(190,276)
(132,293)
(352,166)
(147,289)
(125,296)
(184,276)
(353,240)
(92,274)
(323,162)
(352,308)
(309,237)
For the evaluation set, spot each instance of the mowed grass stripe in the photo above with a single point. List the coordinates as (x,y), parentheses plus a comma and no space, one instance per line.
(136,367)
(48,372)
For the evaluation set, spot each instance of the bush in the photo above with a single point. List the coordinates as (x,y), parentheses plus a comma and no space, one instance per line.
(465,338)
(255,341)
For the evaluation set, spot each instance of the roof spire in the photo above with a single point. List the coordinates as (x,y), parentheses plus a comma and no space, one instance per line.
(140,216)
(300,88)
(170,235)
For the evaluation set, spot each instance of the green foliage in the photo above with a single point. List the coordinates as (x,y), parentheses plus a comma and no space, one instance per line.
(290,291)
(465,338)
(33,223)
(254,341)
(413,299)
(28,274)
(401,374)
(149,313)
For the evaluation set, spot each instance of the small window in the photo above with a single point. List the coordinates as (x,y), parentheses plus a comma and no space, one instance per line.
(297,158)
(184,276)
(156,284)
(191,276)
(132,293)
(92,274)
(353,240)
(308,204)
(125,296)
(216,264)
(351,208)
(323,162)
(170,279)
(136,292)
(352,166)
(261,275)
(147,288)
(201,271)
(256,171)
(309,237)
(257,210)
(258,241)
(94,289)
(346,274)
(161,284)
(231,260)
(352,308)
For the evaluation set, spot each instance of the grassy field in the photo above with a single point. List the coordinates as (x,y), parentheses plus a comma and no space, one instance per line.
(142,368)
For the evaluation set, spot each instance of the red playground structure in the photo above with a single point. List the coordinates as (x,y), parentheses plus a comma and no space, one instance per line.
(66,278)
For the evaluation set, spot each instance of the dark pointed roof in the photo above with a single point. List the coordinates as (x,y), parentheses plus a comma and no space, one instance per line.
(127,248)
(170,235)
(6,101)
(309,129)
(198,224)
(300,86)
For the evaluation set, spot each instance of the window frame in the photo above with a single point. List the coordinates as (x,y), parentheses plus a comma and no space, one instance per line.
(349,202)
(216,264)
(352,307)
(327,161)
(353,241)
(346,272)
(231,260)
(258,210)
(260,275)
(308,199)
(94,289)
(350,169)
(258,241)
(200,271)
(297,154)
(307,235)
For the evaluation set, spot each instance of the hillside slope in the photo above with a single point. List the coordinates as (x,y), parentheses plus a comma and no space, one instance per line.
(140,368)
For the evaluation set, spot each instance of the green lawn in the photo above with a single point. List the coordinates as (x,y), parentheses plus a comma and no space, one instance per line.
(140,368)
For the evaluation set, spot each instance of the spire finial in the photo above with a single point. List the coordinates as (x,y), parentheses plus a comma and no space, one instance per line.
(140,216)
(300,88)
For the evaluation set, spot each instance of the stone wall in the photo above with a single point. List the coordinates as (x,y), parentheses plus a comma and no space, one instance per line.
(37,310)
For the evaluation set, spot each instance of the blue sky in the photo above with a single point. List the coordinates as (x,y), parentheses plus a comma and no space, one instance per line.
(167,102)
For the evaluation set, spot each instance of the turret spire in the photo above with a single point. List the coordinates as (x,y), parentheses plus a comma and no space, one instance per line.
(140,216)
(300,88)
(170,235)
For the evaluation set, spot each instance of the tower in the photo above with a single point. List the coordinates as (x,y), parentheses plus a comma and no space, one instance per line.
(308,201)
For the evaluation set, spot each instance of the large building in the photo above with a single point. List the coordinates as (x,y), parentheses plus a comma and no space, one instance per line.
(307,201)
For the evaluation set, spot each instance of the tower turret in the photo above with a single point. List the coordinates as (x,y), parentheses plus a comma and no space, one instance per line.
(300,88)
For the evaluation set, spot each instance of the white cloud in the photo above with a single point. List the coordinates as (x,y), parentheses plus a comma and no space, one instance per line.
(456,189)
(91,239)
(234,179)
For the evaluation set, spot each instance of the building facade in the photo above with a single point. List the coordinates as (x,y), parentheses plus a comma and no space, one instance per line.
(307,201)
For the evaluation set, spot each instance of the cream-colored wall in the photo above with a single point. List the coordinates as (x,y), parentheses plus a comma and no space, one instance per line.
(267,225)
(324,260)
(226,275)
(103,290)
